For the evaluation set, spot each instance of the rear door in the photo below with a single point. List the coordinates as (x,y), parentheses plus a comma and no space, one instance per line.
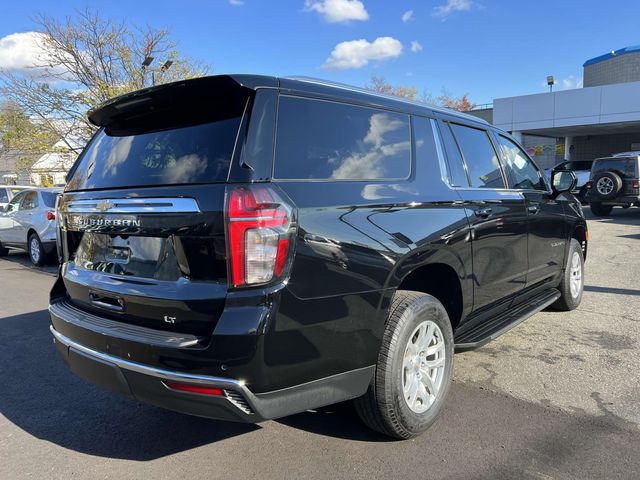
(546,225)
(496,214)
(23,218)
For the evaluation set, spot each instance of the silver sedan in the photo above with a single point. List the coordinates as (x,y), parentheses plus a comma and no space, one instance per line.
(28,222)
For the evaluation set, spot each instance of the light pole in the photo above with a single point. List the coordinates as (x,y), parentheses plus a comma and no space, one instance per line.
(146,67)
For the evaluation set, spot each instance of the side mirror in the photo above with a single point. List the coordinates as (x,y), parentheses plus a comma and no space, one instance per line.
(563,181)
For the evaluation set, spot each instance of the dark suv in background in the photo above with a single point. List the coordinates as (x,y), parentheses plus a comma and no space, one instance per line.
(247,247)
(615,181)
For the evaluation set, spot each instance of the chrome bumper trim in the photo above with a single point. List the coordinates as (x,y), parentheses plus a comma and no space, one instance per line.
(151,371)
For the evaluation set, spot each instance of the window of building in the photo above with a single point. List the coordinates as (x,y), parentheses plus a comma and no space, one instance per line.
(479,155)
(327,140)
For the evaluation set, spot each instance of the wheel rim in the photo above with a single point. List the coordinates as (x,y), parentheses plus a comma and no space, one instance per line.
(34,249)
(605,186)
(575,281)
(423,366)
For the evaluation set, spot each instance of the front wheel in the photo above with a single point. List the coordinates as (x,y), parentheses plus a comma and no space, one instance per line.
(572,284)
(414,368)
(600,210)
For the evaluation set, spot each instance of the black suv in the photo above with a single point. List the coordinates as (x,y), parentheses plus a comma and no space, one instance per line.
(615,181)
(247,247)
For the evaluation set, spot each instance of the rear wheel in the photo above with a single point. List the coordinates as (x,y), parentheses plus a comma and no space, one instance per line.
(36,252)
(607,185)
(414,368)
(600,210)
(572,284)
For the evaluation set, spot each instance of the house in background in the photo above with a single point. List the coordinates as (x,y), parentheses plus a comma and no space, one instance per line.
(51,168)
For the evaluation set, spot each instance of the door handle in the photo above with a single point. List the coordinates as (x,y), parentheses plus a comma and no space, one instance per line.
(484,212)
(533,208)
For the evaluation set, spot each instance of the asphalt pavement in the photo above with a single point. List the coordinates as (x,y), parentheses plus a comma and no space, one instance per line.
(557,397)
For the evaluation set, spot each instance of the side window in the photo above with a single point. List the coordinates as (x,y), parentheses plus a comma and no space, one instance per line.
(15,202)
(30,201)
(479,155)
(457,173)
(4,198)
(327,140)
(521,171)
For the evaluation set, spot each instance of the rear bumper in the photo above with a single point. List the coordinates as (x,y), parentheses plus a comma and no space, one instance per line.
(147,383)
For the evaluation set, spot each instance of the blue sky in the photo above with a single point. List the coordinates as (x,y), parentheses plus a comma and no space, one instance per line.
(487,48)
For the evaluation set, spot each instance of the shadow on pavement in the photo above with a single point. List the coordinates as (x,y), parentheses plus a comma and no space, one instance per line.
(22,259)
(626,216)
(619,291)
(42,397)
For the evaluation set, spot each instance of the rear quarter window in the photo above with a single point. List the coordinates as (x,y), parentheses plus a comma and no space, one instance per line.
(321,140)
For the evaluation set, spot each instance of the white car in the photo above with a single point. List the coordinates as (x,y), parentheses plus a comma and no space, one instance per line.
(582,169)
(7,192)
(28,222)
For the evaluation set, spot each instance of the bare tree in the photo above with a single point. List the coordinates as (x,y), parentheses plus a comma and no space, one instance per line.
(380,85)
(85,60)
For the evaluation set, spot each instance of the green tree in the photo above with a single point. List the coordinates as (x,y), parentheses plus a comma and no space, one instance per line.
(87,59)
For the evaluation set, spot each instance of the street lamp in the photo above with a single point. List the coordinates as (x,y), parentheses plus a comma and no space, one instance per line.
(146,67)
(551,82)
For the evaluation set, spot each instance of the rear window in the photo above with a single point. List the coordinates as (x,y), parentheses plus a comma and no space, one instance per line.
(627,167)
(333,141)
(49,198)
(194,154)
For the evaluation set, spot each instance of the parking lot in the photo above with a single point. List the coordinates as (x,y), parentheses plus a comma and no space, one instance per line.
(557,397)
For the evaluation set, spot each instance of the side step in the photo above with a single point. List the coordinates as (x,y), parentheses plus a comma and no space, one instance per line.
(478,335)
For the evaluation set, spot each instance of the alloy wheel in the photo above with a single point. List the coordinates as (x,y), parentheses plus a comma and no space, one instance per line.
(34,250)
(604,186)
(575,269)
(423,366)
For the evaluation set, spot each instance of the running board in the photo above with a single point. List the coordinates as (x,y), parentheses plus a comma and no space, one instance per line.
(478,335)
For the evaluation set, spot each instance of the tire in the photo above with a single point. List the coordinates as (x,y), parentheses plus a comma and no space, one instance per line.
(35,250)
(600,210)
(606,185)
(385,407)
(572,284)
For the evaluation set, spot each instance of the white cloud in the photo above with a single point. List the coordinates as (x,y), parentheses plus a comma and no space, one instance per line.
(571,82)
(443,11)
(21,51)
(236,3)
(335,11)
(358,53)
(406,16)
(415,46)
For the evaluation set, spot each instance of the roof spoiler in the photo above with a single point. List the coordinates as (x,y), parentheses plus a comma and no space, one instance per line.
(195,91)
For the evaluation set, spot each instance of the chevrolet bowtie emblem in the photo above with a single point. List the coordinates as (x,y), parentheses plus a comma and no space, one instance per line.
(104,206)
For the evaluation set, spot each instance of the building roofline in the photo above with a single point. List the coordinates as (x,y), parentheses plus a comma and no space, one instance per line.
(612,54)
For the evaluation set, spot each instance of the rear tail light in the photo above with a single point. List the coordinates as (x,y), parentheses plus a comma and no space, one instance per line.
(260,230)
(51,215)
(635,184)
(589,184)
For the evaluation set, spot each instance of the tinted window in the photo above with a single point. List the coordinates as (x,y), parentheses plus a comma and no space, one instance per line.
(627,167)
(522,172)
(480,157)
(4,197)
(30,201)
(327,140)
(49,198)
(196,154)
(457,174)
(583,165)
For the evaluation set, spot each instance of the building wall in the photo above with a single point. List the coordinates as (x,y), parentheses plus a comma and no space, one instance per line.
(545,151)
(596,146)
(622,69)
(483,113)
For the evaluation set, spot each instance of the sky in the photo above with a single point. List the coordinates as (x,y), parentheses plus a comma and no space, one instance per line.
(486,48)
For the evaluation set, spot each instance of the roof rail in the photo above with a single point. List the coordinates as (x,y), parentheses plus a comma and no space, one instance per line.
(351,88)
